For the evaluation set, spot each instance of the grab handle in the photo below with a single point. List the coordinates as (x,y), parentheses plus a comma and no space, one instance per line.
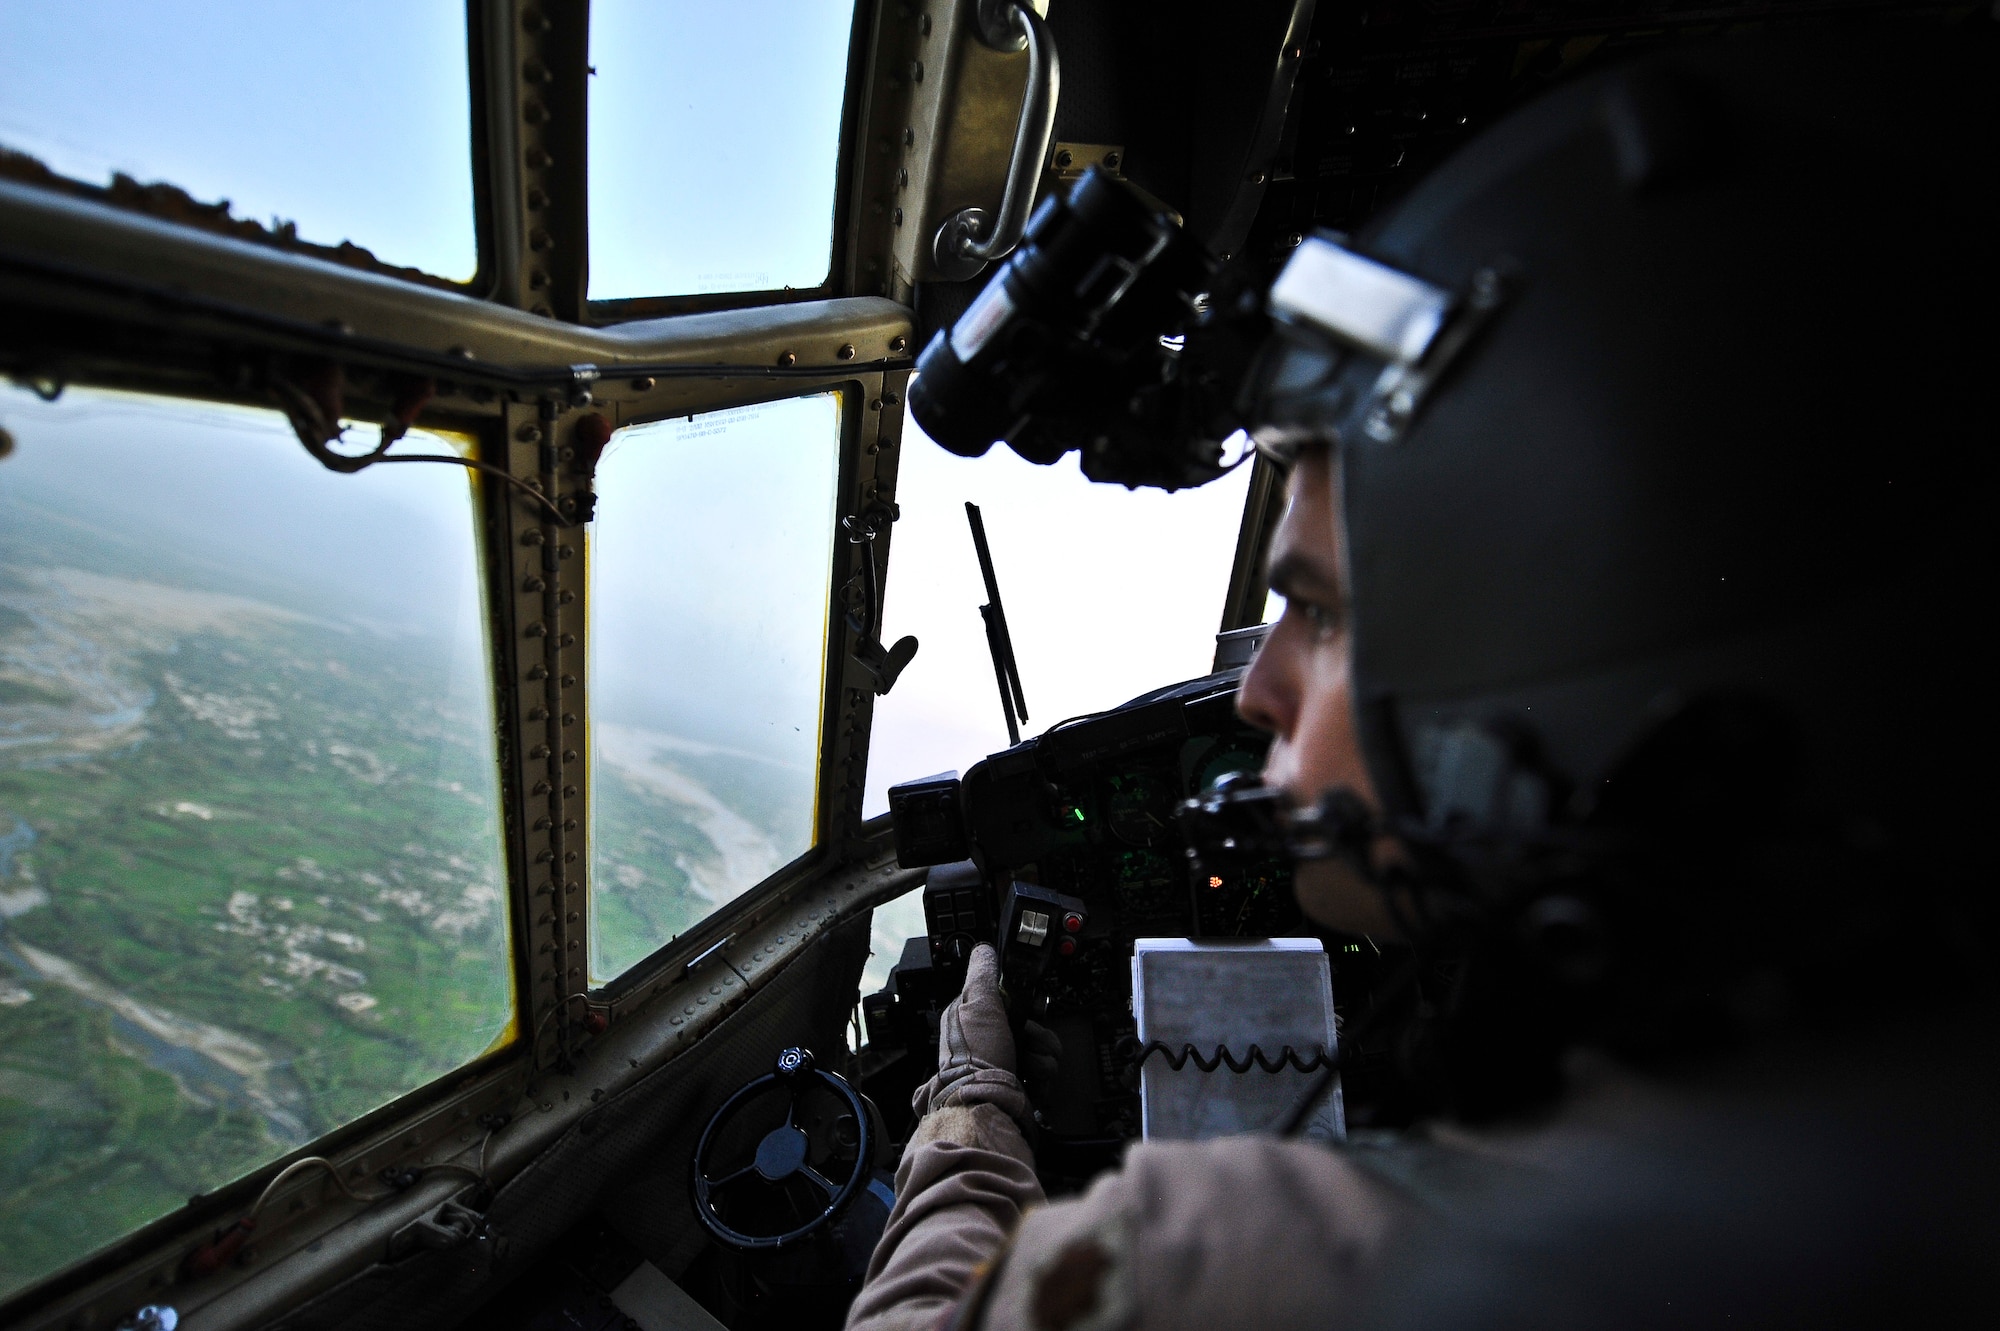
(971,238)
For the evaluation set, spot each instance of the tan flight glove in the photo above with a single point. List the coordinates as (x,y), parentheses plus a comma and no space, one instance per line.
(976,1056)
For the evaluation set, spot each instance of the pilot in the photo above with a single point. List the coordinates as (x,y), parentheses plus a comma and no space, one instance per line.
(1645,662)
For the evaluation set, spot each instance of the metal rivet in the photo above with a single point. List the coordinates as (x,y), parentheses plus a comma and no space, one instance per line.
(643,385)
(898,344)
(1256,177)
(788,358)
(1063,158)
(899,217)
(846,351)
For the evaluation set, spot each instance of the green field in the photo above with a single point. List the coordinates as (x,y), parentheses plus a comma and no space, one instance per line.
(255,890)
(251,880)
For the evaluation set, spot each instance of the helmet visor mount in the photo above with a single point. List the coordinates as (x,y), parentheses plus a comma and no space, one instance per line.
(1358,347)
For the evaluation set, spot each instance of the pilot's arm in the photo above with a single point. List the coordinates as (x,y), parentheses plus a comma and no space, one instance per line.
(967,1174)
(1243,1231)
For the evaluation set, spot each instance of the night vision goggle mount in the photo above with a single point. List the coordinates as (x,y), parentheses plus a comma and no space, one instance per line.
(1111,332)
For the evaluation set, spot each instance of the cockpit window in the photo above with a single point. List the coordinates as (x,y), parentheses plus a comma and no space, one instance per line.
(714,144)
(709,563)
(251,876)
(1109,593)
(287,122)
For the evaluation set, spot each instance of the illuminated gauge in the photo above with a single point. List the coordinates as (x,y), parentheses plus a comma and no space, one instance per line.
(1134,815)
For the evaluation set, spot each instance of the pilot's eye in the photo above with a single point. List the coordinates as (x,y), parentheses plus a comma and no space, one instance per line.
(1326,620)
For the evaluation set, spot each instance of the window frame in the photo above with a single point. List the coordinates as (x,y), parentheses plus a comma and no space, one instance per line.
(519,357)
(157,308)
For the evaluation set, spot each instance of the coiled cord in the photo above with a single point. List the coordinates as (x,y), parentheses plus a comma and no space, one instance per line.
(1285,1057)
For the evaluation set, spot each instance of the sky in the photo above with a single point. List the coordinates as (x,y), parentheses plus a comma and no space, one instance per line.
(351,119)
(714,142)
(714,127)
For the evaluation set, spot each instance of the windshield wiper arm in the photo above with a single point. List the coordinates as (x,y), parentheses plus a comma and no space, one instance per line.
(1013,703)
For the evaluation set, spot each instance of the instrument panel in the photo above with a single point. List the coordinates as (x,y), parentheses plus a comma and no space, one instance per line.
(1078,822)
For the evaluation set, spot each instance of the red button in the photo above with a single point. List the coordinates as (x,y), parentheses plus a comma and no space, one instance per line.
(1066,946)
(1072,922)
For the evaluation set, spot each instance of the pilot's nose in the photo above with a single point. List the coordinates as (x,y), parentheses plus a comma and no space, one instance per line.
(1268,697)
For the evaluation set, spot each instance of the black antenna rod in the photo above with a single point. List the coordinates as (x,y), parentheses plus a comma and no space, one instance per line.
(1013,703)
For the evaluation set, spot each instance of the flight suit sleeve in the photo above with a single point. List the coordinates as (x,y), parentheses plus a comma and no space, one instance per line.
(967,1174)
(1194,1236)
(965,1180)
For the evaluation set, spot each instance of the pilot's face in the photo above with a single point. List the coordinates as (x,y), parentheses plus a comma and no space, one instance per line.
(1301,690)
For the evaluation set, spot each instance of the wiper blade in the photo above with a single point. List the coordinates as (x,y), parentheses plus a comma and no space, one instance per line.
(1013,703)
